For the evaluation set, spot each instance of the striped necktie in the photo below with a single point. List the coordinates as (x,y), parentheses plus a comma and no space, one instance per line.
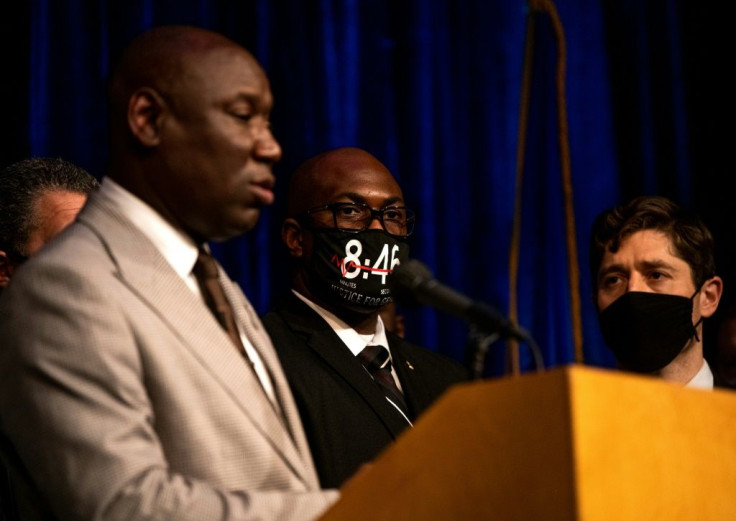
(377,362)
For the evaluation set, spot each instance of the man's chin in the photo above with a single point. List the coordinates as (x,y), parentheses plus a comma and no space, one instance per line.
(354,313)
(235,228)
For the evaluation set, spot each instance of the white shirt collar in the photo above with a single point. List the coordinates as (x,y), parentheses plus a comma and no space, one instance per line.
(350,337)
(178,249)
(354,341)
(703,379)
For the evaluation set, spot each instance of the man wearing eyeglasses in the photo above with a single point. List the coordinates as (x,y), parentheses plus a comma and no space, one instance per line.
(357,385)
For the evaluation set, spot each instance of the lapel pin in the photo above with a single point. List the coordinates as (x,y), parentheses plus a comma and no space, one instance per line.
(408,364)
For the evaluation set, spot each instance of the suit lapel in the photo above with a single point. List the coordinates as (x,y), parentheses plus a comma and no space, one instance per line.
(325,343)
(291,426)
(145,271)
(412,386)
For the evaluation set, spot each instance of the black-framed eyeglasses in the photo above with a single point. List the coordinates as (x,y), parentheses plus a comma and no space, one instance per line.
(356,217)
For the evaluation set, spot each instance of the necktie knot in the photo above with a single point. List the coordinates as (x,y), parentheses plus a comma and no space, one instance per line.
(206,266)
(374,358)
(377,361)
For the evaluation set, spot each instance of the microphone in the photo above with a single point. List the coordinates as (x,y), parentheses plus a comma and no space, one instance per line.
(412,283)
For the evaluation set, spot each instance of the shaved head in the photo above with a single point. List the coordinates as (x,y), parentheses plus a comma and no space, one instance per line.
(190,132)
(308,186)
(163,59)
(355,181)
(158,57)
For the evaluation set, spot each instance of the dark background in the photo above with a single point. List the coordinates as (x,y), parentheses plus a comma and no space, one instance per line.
(432,88)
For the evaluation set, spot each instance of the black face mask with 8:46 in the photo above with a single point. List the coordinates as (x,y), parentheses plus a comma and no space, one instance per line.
(352,270)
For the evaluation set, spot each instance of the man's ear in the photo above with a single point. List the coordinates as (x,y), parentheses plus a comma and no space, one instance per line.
(400,325)
(710,296)
(293,236)
(6,269)
(145,108)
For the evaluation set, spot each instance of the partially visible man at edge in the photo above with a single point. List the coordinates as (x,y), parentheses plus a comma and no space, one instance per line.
(655,282)
(40,196)
(347,227)
(123,394)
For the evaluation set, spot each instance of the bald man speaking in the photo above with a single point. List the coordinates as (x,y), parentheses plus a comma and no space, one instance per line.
(136,381)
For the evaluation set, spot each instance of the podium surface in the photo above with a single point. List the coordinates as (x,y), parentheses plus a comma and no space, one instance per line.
(572,444)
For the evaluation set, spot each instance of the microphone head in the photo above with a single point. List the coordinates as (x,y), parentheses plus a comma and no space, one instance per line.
(413,284)
(406,278)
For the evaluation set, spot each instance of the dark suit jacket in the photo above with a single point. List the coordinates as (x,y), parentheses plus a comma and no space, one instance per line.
(347,418)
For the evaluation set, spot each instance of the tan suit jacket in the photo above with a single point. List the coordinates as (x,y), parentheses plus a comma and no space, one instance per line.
(124,399)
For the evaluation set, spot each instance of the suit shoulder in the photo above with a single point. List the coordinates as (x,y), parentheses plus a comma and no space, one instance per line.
(272,320)
(277,325)
(291,316)
(285,338)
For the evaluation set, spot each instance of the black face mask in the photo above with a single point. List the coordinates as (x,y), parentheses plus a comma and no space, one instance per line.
(352,270)
(646,331)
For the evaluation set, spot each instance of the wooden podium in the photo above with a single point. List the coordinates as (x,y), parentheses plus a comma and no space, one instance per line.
(574,443)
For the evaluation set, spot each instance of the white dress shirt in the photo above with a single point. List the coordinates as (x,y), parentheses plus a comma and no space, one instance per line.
(179,250)
(355,341)
(703,379)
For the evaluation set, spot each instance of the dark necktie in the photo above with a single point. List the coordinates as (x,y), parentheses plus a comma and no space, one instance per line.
(206,273)
(376,360)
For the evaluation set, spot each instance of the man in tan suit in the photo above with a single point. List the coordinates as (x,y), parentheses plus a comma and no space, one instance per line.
(121,394)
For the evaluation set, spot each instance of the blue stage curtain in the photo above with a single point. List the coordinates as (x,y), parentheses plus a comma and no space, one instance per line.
(432,88)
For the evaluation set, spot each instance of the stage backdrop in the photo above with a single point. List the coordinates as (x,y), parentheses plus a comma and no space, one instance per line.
(433,89)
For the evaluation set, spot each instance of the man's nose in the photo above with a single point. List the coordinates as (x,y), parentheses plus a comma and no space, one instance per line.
(375,223)
(267,148)
(637,283)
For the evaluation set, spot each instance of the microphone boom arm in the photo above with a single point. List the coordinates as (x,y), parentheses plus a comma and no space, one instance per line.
(413,283)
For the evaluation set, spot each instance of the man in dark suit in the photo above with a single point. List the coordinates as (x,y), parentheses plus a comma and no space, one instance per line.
(124,392)
(346,229)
